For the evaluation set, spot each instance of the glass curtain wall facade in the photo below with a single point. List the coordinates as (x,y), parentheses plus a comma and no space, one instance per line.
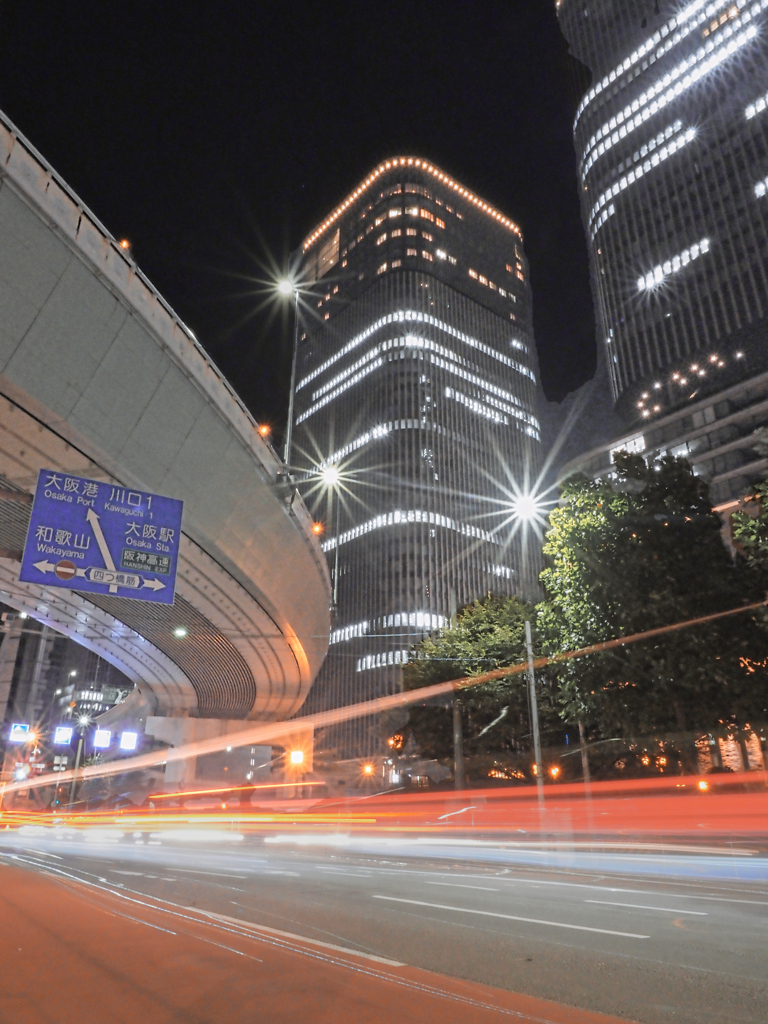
(417,380)
(672,151)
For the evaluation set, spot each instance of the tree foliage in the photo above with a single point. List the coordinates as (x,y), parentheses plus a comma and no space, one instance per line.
(751,533)
(642,552)
(488,634)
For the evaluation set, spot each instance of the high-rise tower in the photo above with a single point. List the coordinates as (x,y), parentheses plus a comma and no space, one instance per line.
(672,150)
(417,379)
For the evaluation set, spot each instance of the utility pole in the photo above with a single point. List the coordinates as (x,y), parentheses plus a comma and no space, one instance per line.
(77,766)
(458,744)
(584,755)
(534,715)
(458,739)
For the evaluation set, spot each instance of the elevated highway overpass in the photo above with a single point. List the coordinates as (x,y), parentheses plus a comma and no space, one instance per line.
(100,378)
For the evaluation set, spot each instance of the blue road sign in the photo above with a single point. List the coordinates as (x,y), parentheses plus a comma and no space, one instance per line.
(102,538)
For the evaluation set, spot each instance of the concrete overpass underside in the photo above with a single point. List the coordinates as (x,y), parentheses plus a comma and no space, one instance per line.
(99,378)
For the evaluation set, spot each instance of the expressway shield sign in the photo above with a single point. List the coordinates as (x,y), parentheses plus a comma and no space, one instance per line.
(102,538)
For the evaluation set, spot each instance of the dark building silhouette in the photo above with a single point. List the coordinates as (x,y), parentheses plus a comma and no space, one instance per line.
(672,149)
(417,379)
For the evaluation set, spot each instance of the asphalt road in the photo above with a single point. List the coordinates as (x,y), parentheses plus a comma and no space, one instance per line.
(636,947)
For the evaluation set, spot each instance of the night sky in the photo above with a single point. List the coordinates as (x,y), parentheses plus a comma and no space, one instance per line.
(215,136)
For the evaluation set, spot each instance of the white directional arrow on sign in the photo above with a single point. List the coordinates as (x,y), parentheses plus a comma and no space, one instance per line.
(47,566)
(93,519)
(130,579)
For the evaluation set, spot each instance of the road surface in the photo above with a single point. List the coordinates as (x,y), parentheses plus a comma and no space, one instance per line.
(631,946)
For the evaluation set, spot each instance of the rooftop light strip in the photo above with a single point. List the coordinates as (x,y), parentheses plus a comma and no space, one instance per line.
(437,359)
(416,164)
(409,341)
(756,108)
(378,432)
(659,274)
(607,213)
(487,386)
(383,660)
(374,434)
(345,373)
(501,570)
(489,413)
(349,632)
(662,93)
(681,19)
(623,130)
(477,407)
(337,391)
(532,423)
(413,316)
(421,620)
(675,144)
(399,518)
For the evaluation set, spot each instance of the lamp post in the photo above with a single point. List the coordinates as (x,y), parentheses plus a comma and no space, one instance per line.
(287,287)
(82,722)
(534,715)
(332,478)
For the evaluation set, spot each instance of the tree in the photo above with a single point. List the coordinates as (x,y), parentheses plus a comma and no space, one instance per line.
(488,634)
(751,533)
(645,552)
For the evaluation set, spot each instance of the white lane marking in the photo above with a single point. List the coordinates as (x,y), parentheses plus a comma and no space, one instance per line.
(114,871)
(215,874)
(340,871)
(640,906)
(147,924)
(600,888)
(298,938)
(512,917)
(458,885)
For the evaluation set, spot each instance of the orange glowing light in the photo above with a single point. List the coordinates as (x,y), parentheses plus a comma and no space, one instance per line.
(229,789)
(264,429)
(554,771)
(125,244)
(703,786)
(317,528)
(368,769)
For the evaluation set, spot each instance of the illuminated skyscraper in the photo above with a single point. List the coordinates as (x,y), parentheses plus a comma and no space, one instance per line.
(672,150)
(416,379)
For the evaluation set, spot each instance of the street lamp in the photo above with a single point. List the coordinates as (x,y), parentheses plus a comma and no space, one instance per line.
(526,508)
(287,287)
(83,721)
(331,478)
